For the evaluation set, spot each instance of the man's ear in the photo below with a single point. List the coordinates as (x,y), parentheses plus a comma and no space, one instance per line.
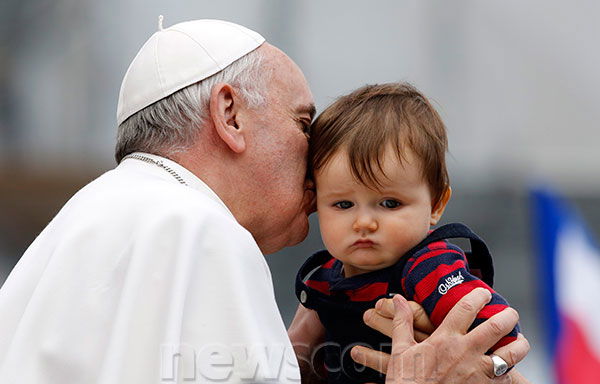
(438,210)
(223,108)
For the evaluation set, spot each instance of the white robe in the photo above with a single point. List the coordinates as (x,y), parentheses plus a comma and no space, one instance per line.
(140,279)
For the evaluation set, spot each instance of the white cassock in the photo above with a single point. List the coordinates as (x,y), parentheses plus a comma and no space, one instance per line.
(140,279)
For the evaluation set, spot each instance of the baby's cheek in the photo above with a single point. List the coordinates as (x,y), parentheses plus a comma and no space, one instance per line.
(332,240)
(329,237)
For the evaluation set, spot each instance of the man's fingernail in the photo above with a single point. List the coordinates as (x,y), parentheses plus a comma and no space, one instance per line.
(355,353)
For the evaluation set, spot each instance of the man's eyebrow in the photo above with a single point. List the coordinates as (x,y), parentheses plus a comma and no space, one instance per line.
(307,109)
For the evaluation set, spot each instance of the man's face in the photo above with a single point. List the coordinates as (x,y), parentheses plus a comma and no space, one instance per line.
(279,152)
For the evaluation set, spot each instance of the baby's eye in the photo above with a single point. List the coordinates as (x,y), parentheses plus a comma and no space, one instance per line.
(343,204)
(390,203)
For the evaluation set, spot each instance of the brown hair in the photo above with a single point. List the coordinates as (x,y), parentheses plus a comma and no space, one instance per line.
(367,120)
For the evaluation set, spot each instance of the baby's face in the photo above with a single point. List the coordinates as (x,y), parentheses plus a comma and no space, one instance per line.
(368,229)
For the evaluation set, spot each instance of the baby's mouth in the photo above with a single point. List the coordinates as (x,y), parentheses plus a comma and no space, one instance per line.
(363,243)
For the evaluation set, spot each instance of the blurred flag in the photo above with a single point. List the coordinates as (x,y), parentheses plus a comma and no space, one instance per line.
(569,270)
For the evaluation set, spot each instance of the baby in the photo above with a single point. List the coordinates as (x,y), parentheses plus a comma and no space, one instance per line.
(377,158)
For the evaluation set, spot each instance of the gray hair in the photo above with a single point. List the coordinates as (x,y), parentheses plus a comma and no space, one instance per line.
(172,124)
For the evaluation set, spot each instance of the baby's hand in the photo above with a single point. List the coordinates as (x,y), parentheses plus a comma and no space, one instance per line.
(380,318)
(469,364)
(306,332)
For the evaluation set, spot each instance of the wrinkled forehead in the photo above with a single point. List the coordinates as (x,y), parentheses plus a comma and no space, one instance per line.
(287,82)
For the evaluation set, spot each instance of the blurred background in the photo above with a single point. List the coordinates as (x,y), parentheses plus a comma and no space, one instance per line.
(516,82)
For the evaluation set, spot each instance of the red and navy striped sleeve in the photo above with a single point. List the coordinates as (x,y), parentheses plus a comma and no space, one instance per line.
(437,277)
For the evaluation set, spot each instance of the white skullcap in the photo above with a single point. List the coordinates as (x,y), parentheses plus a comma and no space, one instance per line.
(179,56)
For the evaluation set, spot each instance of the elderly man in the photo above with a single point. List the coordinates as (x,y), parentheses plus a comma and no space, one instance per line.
(155,271)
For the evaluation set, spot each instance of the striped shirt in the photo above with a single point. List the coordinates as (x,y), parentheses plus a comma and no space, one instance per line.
(437,276)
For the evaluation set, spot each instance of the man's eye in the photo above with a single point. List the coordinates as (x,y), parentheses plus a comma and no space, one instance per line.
(390,204)
(305,126)
(343,204)
(306,129)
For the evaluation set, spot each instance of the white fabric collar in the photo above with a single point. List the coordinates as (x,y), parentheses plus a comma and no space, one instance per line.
(192,180)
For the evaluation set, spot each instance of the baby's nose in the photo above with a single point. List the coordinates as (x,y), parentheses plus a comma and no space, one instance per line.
(365,222)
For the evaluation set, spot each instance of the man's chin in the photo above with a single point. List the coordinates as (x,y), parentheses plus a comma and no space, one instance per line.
(292,234)
(300,233)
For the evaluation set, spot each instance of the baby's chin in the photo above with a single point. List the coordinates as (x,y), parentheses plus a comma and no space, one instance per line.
(368,259)
(359,269)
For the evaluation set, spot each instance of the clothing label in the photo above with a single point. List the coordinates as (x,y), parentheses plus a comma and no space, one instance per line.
(450,282)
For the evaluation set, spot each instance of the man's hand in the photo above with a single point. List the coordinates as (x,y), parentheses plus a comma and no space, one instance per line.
(450,354)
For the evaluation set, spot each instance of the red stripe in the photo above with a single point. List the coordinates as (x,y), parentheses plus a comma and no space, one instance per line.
(503,341)
(438,245)
(429,283)
(448,300)
(575,360)
(329,264)
(368,292)
(431,254)
(321,286)
(490,310)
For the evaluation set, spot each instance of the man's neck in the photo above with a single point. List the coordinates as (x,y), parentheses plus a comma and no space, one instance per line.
(223,175)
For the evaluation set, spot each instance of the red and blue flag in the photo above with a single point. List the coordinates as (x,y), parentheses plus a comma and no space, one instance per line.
(569,272)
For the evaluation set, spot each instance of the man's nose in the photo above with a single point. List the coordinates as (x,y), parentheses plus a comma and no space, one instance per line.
(365,222)
(309,184)
(309,188)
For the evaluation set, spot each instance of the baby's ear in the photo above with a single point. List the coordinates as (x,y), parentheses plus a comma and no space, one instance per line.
(438,210)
